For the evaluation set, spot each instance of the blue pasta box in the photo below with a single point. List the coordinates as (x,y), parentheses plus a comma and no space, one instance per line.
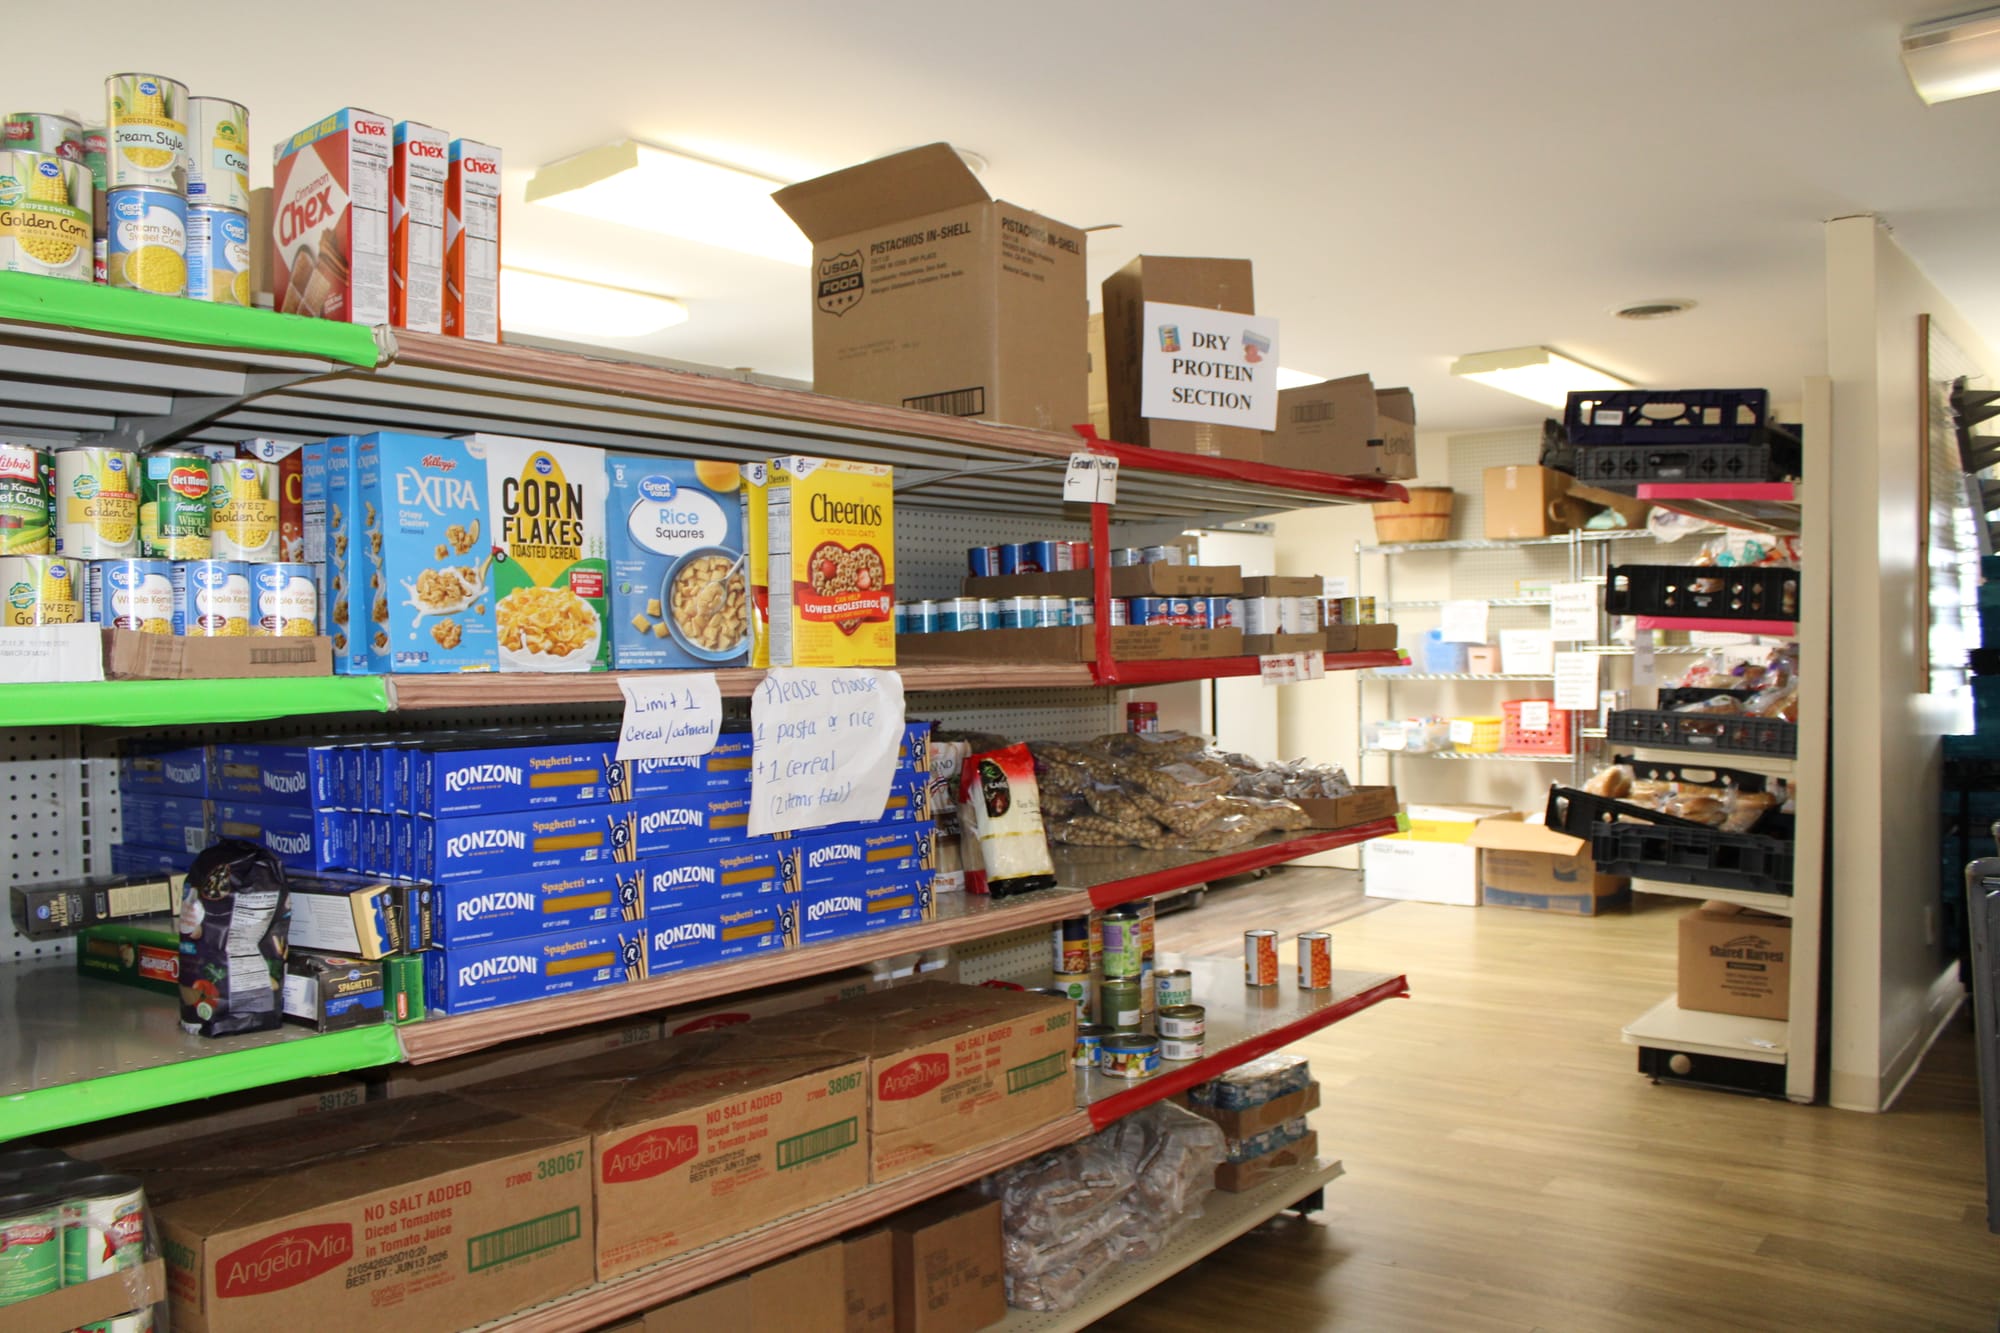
(516,906)
(915,750)
(173,823)
(165,772)
(679,584)
(850,909)
(512,843)
(403,847)
(337,834)
(471,779)
(285,830)
(708,878)
(670,825)
(484,976)
(726,766)
(378,843)
(909,799)
(870,852)
(129,859)
(323,763)
(426,577)
(419,906)
(716,934)
(265,774)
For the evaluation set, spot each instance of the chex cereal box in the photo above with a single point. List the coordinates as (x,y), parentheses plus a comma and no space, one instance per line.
(516,906)
(416,227)
(680,587)
(481,976)
(428,553)
(831,531)
(472,241)
(850,909)
(727,765)
(707,878)
(330,219)
(714,934)
(547,503)
(881,852)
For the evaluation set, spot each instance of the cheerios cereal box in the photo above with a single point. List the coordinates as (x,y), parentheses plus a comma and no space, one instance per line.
(831,534)
(422,594)
(548,503)
(679,579)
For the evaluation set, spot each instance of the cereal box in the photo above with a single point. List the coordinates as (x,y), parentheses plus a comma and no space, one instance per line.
(679,589)
(757,537)
(472,242)
(831,533)
(427,603)
(548,504)
(337,480)
(330,219)
(416,228)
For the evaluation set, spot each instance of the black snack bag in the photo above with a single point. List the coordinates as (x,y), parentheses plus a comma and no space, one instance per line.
(234,914)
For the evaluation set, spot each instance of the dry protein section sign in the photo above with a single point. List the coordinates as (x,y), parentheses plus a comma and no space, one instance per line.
(1209,365)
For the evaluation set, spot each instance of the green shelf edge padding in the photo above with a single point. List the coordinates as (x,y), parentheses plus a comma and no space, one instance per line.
(83,305)
(1402,821)
(67,1104)
(167,703)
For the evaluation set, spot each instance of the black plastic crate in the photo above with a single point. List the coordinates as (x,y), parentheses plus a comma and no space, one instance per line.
(1670,417)
(1703,731)
(1707,775)
(1631,840)
(1623,466)
(1752,592)
(1671,695)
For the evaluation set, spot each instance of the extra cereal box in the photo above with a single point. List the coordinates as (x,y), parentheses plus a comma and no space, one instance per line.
(679,585)
(548,504)
(428,601)
(830,526)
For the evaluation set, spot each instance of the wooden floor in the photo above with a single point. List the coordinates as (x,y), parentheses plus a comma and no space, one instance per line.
(1508,1169)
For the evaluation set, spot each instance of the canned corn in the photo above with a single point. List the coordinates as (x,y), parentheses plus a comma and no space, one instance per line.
(145,244)
(146,119)
(286,601)
(130,594)
(40,590)
(95,160)
(44,216)
(25,503)
(174,505)
(43,132)
(244,525)
(30,1246)
(104,1228)
(218,256)
(218,171)
(212,599)
(96,502)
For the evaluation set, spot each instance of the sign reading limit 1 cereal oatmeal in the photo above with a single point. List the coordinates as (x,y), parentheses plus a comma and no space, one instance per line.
(547,503)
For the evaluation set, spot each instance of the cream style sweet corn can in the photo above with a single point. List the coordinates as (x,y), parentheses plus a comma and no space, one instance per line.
(218,256)
(145,241)
(45,215)
(243,498)
(130,594)
(40,590)
(218,171)
(284,601)
(212,599)
(146,118)
(96,502)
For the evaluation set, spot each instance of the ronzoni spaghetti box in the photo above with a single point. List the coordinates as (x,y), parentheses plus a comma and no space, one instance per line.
(548,505)
(330,219)
(831,533)
(679,583)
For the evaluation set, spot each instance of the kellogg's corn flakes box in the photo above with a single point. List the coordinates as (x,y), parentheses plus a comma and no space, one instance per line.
(679,586)
(548,504)
(420,597)
(830,530)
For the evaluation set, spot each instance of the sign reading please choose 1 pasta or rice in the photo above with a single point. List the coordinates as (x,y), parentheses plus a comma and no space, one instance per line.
(825,746)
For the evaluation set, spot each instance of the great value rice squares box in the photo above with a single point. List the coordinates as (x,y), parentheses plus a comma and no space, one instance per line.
(679,583)
(428,555)
(548,505)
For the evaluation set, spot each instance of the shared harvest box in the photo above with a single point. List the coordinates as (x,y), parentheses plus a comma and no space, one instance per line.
(701,1136)
(475,846)
(469,978)
(870,852)
(851,909)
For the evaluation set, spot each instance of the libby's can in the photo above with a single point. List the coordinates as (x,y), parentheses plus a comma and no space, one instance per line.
(284,601)
(96,502)
(1315,960)
(244,494)
(104,1228)
(983,561)
(218,255)
(42,132)
(212,599)
(30,1246)
(1072,947)
(1260,958)
(145,117)
(145,243)
(1173,987)
(25,503)
(45,215)
(218,170)
(174,505)
(1118,1005)
(130,594)
(1124,952)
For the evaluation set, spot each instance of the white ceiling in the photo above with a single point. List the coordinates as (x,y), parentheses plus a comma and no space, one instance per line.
(1413,180)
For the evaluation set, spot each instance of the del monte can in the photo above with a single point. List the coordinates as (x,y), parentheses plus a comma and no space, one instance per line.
(174,505)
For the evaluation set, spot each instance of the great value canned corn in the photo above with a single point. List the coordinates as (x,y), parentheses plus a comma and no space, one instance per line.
(146,241)
(284,601)
(130,594)
(44,216)
(96,502)
(218,171)
(244,493)
(146,118)
(218,256)
(40,590)
(25,503)
(174,505)
(212,599)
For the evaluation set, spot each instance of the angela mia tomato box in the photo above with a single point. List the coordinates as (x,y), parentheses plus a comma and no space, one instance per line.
(679,580)
(419,562)
(830,536)
(548,504)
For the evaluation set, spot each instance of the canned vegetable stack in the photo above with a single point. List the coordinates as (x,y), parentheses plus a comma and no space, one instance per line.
(64,1223)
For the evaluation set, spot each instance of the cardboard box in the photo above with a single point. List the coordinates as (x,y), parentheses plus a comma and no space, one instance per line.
(726,1305)
(1217,284)
(815,993)
(1532,866)
(1375,638)
(49,911)
(1236,1177)
(1434,862)
(676,523)
(1342,638)
(951,1068)
(1057,643)
(85,1304)
(1338,426)
(1264,645)
(1098,392)
(147,956)
(331,994)
(1735,960)
(1157,643)
(701,1136)
(795,1295)
(472,242)
(1363,806)
(416,227)
(174,1124)
(1482,659)
(1396,431)
(330,219)
(548,505)
(868,1264)
(448,1212)
(949,1271)
(1249,1121)
(1529,501)
(930,294)
(517,1057)
(132,655)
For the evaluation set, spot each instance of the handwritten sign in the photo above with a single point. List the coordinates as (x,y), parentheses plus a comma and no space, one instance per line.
(670,716)
(1645,668)
(1573,612)
(825,746)
(1291,668)
(1091,479)
(1576,681)
(1463,622)
(1526,652)
(1198,364)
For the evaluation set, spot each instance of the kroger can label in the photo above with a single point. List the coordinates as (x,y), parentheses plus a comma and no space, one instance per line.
(96,503)
(30,1247)
(44,216)
(212,599)
(130,594)
(146,118)
(40,590)
(285,601)
(218,173)
(104,1228)
(244,525)
(145,244)
(218,256)
(25,503)
(174,505)
(42,132)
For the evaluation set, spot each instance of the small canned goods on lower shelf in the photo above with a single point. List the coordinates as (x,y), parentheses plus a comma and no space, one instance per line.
(1089,1037)
(1119,1005)
(1123,953)
(1126,555)
(1173,987)
(1315,960)
(958,613)
(922,617)
(1184,1022)
(130,594)
(983,561)
(1072,947)
(1054,611)
(1122,1055)
(1260,957)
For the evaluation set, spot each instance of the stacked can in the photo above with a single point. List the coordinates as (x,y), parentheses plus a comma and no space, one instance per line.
(1120,995)
(27,501)
(48,200)
(1071,968)
(64,1223)
(177,191)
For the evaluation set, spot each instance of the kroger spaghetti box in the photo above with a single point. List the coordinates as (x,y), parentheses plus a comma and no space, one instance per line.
(171,823)
(472,241)
(330,219)
(267,774)
(427,578)
(517,906)
(719,932)
(709,878)
(416,227)
(726,766)
(851,909)
(164,772)
(484,976)
(877,852)
(675,529)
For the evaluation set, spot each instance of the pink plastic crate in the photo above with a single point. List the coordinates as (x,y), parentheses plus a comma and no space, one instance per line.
(1552,739)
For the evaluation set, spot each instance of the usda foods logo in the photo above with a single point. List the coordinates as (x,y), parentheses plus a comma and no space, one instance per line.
(839,282)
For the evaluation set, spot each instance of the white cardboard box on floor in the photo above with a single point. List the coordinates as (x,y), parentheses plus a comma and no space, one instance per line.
(1434,862)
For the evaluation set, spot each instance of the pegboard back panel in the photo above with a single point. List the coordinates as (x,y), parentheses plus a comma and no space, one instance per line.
(46,818)
(1019,956)
(1029,715)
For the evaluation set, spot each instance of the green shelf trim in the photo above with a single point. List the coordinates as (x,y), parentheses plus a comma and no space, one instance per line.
(44,1109)
(36,299)
(1402,821)
(168,703)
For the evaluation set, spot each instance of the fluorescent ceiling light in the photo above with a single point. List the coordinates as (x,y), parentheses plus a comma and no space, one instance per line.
(1292,379)
(544,303)
(638,185)
(1535,373)
(1954,57)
